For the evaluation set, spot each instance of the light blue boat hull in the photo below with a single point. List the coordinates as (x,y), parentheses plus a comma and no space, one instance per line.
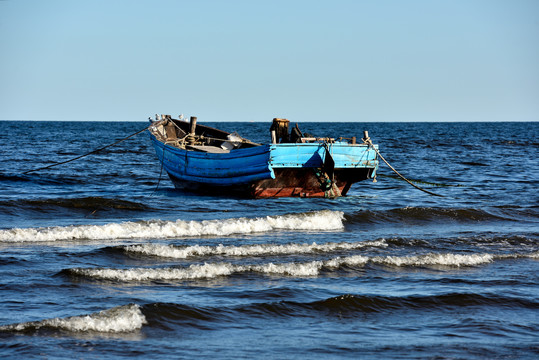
(273,170)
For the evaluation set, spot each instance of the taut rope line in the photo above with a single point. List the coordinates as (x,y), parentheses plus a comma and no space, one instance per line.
(420,181)
(368,141)
(90,153)
(161,171)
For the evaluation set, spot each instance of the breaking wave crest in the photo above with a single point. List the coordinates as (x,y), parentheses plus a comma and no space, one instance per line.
(119,319)
(184,252)
(310,221)
(294,269)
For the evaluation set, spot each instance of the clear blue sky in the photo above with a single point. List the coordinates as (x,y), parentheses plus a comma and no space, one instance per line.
(379,60)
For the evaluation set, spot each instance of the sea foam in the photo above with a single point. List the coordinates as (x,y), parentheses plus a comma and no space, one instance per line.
(456,260)
(184,252)
(294,269)
(119,319)
(311,221)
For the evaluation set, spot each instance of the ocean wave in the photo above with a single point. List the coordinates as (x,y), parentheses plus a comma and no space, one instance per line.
(85,203)
(196,272)
(347,305)
(119,319)
(354,303)
(184,252)
(452,260)
(417,214)
(310,221)
(30,178)
(89,203)
(206,251)
(474,163)
(294,269)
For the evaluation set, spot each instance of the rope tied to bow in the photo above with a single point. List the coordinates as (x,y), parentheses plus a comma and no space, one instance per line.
(367,140)
(84,155)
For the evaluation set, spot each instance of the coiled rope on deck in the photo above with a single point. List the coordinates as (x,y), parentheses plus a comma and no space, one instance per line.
(369,142)
(84,155)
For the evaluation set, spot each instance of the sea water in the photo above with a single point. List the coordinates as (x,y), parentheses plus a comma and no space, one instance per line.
(103,258)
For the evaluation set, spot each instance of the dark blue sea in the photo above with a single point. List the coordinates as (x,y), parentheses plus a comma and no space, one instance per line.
(101,258)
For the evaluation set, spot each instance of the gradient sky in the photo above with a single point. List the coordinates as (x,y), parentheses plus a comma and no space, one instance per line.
(379,60)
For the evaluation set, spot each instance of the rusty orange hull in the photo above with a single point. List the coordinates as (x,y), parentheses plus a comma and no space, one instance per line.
(302,183)
(306,183)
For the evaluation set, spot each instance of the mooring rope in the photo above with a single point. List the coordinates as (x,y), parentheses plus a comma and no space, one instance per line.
(368,141)
(90,153)
(421,181)
(161,171)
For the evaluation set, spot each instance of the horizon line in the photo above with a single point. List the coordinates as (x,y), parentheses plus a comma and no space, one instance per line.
(314,121)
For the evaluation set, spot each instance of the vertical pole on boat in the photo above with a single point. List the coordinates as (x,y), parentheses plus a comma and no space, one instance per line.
(366,137)
(193,123)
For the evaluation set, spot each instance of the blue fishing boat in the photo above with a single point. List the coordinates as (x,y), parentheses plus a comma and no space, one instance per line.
(201,158)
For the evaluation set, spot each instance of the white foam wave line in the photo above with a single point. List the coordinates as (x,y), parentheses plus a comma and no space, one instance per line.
(312,268)
(119,319)
(534,255)
(435,260)
(183,252)
(195,272)
(311,221)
